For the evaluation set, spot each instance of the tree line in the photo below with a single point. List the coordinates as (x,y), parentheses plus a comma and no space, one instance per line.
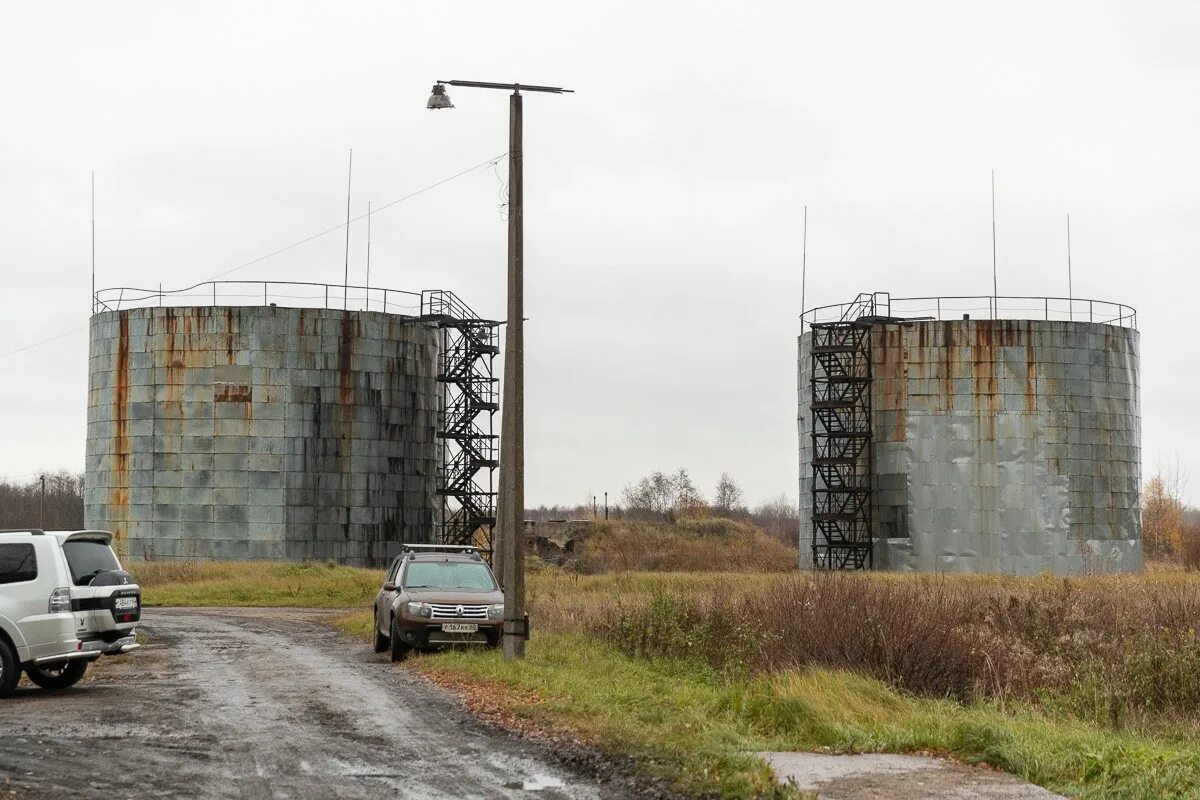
(22,504)
(668,496)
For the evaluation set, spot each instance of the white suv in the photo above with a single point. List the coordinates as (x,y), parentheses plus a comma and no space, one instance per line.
(64,602)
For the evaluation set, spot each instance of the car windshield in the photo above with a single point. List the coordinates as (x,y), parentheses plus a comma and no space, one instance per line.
(467,576)
(88,559)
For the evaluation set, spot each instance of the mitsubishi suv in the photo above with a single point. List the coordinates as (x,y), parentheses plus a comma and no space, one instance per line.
(436,595)
(64,602)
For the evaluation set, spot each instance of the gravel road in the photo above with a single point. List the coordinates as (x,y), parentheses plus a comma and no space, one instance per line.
(262,703)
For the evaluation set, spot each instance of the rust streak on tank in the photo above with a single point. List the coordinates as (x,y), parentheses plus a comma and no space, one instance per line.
(949,356)
(119,493)
(1030,372)
(175,361)
(229,349)
(346,343)
(887,354)
(985,394)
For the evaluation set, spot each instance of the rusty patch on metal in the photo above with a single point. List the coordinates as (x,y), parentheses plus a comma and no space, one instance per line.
(232,393)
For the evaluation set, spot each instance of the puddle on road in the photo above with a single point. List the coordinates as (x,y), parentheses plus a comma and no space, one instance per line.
(536,784)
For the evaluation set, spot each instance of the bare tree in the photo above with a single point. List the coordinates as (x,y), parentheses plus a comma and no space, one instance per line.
(779,517)
(661,495)
(653,494)
(687,498)
(728,496)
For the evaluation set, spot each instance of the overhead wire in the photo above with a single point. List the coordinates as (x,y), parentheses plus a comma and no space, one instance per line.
(496,159)
(43,341)
(493,160)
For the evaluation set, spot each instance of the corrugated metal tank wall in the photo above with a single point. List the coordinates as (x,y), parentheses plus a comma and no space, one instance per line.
(1000,446)
(262,433)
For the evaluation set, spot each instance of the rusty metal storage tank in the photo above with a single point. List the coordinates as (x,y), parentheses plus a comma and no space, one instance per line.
(970,435)
(265,432)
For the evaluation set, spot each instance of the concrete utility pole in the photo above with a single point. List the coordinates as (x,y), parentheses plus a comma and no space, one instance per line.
(510,554)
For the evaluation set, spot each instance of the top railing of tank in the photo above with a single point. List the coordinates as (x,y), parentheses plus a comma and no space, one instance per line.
(290,294)
(1064,309)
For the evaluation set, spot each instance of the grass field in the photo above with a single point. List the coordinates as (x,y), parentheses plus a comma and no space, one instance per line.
(694,727)
(1090,687)
(308,585)
(691,720)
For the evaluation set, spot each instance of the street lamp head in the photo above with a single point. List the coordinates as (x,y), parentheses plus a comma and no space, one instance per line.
(439,98)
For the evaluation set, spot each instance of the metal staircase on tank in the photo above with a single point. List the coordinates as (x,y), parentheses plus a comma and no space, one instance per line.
(468,404)
(841,444)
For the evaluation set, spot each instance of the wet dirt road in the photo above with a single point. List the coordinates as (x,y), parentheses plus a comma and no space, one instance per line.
(262,703)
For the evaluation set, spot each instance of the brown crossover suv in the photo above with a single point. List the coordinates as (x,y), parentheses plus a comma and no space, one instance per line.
(435,595)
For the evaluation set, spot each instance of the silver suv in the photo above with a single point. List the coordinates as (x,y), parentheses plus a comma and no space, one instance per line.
(437,595)
(64,602)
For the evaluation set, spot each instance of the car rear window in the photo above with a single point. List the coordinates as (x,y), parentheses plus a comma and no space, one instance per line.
(474,577)
(18,563)
(88,559)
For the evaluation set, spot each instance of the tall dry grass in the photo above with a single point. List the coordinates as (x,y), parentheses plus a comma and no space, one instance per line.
(1112,649)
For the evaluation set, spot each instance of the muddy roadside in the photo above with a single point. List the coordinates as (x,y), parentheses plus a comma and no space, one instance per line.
(242,703)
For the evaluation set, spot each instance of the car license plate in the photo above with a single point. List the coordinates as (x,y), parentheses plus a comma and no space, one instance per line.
(126,603)
(459,627)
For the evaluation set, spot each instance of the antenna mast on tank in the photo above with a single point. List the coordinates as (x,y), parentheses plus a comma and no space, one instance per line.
(93,241)
(995,290)
(1070,287)
(803,267)
(346,276)
(368,280)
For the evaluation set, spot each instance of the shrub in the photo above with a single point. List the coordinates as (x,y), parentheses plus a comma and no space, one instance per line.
(1110,649)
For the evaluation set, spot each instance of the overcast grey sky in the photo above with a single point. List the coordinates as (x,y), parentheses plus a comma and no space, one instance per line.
(663,200)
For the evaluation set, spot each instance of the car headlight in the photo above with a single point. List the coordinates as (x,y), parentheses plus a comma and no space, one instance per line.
(420,610)
(496,611)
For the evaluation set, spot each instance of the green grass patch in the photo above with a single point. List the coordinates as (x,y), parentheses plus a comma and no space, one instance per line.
(230,583)
(694,727)
(357,624)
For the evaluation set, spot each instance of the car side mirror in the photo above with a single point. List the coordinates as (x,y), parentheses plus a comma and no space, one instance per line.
(389,586)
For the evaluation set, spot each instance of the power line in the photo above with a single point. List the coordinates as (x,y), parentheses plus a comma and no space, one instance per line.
(338,227)
(493,160)
(42,342)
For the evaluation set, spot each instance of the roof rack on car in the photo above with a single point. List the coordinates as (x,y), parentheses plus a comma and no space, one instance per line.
(463,549)
(34,531)
(442,548)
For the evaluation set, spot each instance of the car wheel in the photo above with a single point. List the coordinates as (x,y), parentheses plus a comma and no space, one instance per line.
(399,648)
(10,670)
(58,676)
(381,639)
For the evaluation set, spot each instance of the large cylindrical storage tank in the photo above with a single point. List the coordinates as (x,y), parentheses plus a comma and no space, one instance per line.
(997,445)
(262,432)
